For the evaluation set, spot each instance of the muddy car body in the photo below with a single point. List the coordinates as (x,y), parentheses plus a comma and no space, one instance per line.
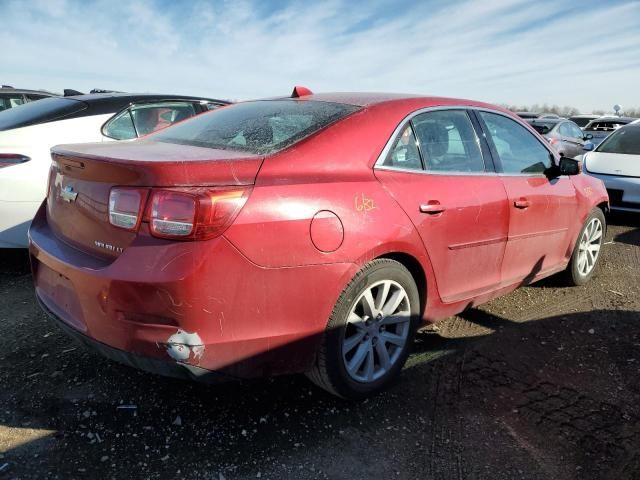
(308,234)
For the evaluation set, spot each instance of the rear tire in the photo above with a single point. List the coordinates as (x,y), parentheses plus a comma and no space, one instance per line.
(370,332)
(586,254)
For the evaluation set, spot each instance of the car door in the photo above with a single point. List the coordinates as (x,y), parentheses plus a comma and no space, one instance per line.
(572,138)
(436,170)
(145,118)
(540,208)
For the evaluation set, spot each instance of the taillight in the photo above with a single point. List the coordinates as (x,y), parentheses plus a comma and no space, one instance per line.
(553,141)
(125,207)
(8,159)
(194,213)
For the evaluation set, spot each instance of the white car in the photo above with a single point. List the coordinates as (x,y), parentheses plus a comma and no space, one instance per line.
(28,132)
(616,161)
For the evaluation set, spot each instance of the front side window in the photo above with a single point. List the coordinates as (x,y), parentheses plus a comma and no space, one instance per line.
(625,141)
(575,131)
(260,127)
(448,141)
(519,151)
(564,130)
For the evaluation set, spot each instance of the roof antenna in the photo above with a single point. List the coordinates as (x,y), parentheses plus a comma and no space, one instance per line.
(299,91)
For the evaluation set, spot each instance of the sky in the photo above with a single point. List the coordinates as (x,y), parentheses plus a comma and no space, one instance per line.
(584,54)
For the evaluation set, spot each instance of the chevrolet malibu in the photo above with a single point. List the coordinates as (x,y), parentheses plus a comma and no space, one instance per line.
(309,234)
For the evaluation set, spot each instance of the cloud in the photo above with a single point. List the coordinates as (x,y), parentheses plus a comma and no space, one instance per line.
(504,51)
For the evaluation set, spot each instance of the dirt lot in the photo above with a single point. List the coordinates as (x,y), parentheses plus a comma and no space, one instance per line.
(540,384)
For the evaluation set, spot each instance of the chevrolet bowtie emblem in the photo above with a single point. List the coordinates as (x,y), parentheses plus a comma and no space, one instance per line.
(68,195)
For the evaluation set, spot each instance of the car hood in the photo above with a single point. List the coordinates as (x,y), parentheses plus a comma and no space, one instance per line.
(613,164)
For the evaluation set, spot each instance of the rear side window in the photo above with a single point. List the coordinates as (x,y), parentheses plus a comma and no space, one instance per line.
(448,141)
(404,153)
(147,118)
(42,111)
(260,127)
(10,101)
(625,141)
(519,151)
(32,97)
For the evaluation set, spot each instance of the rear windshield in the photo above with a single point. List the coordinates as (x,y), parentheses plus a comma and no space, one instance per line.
(260,127)
(543,127)
(42,111)
(625,140)
(604,126)
(580,121)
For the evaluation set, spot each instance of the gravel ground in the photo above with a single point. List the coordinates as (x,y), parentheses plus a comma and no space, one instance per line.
(539,384)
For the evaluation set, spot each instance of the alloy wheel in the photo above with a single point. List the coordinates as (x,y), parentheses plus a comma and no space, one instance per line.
(589,247)
(377,331)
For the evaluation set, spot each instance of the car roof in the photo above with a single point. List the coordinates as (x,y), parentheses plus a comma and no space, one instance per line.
(584,115)
(612,118)
(404,100)
(546,120)
(7,89)
(111,102)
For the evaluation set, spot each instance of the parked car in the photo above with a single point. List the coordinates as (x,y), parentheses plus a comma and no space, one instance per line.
(583,120)
(306,234)
(12,97)
(616,161)
(28,132)
(565,136)
(601,127)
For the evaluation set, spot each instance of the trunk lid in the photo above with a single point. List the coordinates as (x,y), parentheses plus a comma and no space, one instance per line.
(82,176)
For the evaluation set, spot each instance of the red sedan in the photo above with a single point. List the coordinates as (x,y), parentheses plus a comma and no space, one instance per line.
(306,234)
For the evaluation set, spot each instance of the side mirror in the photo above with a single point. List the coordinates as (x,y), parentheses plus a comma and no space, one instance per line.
(569,166)
(589,146)
(587,136)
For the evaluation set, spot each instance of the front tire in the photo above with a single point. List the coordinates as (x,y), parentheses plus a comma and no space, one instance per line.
(370,332)
(586,254)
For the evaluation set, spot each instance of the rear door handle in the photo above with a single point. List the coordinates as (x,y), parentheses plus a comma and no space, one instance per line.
(432,207)
(522,203)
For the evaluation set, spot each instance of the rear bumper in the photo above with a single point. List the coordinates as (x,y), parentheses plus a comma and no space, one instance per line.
(200,306)
(151,365)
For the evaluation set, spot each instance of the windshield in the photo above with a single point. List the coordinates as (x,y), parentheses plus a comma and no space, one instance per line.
(625,141)
(42,111)
(259,127)
(580,121)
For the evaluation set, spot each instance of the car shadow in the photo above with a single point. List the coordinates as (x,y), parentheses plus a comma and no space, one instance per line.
(552,394)
(14,261)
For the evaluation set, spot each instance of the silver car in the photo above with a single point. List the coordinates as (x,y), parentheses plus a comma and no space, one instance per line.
(616,161)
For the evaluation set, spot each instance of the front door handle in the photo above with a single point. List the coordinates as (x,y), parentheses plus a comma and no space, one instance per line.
(432,207)
(522,203)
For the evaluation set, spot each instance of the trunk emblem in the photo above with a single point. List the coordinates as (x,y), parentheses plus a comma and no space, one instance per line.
(68,195)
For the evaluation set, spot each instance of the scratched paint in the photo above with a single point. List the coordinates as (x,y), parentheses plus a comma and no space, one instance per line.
(185,347)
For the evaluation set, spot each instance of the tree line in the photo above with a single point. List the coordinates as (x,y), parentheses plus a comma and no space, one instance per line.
(566,111)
